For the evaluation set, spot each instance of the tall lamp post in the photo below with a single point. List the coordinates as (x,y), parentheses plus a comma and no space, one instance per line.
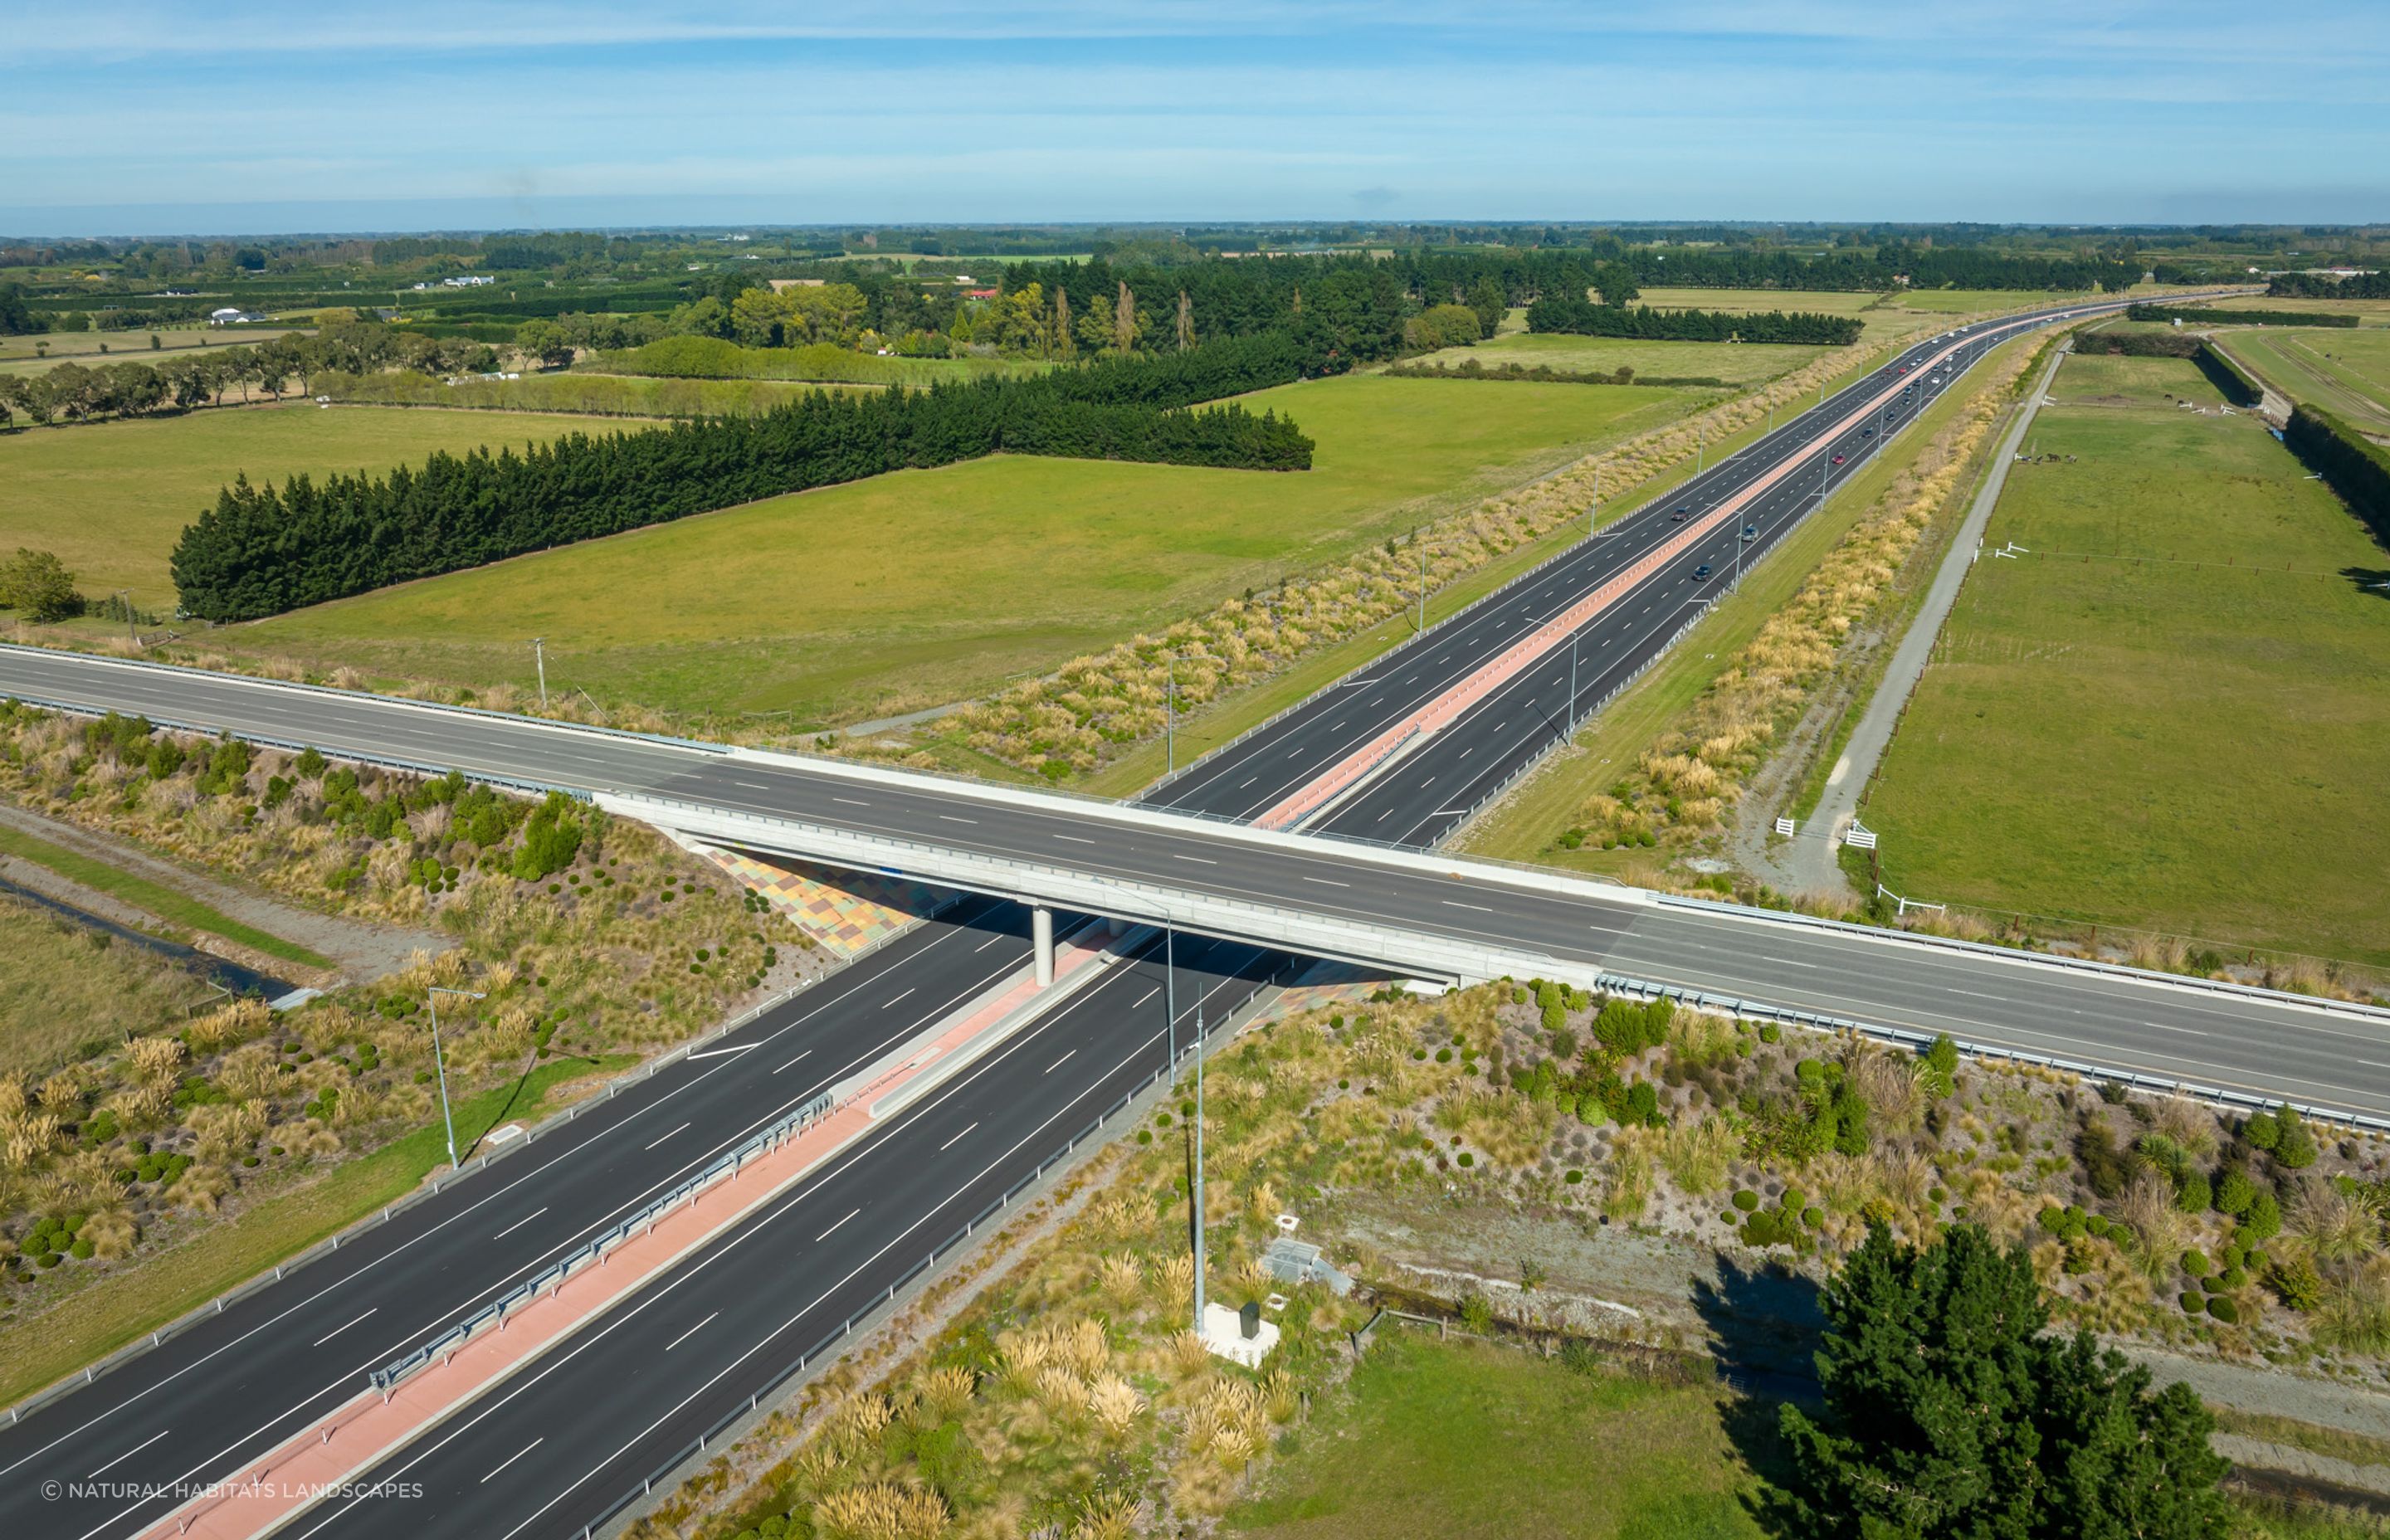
(1170,719)
(539,656)
(1199,1165)
(439,1061)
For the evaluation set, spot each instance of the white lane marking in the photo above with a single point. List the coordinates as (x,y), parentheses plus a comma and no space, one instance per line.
(751,786)
(717,1053)
(1479,907)
(1060,1062)
(1075,838)
(885,1003)
(1326,882)
(950,818)
(1146,995)
(807,1054)
(143,1444)
(2187,1031)
(1979,994)
(850,801)
(1247,781)
(834,1230)
(1197,859)
(516,1456)
(942,1147)
(690,1332)
(667,1135)
(500,1236)
(985,944)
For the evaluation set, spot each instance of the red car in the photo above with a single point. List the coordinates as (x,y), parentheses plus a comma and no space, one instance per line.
(1838,459)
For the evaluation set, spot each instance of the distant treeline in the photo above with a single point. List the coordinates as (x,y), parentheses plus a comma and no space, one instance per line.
(2322,286)
(2351,464)
(1575,315)
(1471,368)
(265,549)
(2200,315)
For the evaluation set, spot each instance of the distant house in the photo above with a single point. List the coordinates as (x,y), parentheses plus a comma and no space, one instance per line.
(229,317)
(470,280)
(979,293)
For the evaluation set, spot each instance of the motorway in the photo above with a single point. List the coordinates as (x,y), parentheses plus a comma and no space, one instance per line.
(1450,775)
(557,1448)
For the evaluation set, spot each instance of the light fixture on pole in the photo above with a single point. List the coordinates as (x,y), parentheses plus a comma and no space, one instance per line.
(1170,993)
(441,1063)
(1568,718)
(1594,502)
(1170,718)
(1423,602)
(539,656)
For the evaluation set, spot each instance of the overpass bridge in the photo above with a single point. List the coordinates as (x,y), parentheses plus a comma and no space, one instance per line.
(1408,910)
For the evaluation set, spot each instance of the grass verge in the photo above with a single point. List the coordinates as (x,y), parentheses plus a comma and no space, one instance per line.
(63,986)
(163,901)
(97,1320)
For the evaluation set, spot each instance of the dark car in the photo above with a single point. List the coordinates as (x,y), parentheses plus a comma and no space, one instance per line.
(1680,516)
(1701,571)
(1866,432)
(1749,532)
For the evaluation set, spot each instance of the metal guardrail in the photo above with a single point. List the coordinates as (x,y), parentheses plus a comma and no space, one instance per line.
(1613,983)
(662,1473)
(728,1164)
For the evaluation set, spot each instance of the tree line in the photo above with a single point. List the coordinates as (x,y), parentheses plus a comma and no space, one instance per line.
(2202,313)
(261,550)
(1580,317)
(2323,286)
(2351,464)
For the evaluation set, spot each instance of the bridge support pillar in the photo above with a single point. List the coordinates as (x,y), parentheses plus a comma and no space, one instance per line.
(1115,928)
(1041,936)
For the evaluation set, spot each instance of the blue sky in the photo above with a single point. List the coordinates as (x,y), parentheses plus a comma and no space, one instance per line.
(277,116)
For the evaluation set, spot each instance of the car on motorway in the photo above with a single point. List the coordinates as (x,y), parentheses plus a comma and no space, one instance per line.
(1680,516)
(1866,432)
(1838,459)
(1750,533)
(1701,571)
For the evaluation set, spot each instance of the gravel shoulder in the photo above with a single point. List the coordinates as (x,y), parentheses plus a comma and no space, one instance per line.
(364,952)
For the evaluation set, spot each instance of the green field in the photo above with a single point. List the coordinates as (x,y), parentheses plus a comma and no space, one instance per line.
(704,358)
(925,587)
(581,394)
(1461,1441)
(2170,715)
(112,498)
(2346,372)
(1737,363)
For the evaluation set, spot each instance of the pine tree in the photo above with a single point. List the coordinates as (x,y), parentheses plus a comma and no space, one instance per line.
(1124,320)
(1186,322)
(1065,345)
(1948,1413)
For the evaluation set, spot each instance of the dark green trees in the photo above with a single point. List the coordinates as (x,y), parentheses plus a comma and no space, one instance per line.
(1951,1415)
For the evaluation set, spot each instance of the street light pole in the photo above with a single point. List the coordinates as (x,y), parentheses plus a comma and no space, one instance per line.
(539,655)
(440,1062)
(1701,446)
(1170,719)
(1199,1165)
(1569,717)
(1594,502)
(1170,993)
(1422,599)
(131,631)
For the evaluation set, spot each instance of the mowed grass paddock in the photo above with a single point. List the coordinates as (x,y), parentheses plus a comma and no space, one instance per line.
(925,587)
(2346,372)
(2171,715)
(112,498)
(1464,1441)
